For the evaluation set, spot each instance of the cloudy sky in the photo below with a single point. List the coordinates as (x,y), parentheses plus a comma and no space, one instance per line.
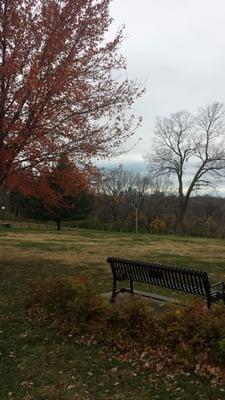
(178,48)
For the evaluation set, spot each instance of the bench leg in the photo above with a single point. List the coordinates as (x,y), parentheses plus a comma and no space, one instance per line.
(208,303)
(113,291)
(131,287)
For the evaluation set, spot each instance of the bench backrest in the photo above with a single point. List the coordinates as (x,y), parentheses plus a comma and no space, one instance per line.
(181,279)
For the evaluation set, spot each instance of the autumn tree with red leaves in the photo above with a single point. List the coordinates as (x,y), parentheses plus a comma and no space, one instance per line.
(59,93)
(55,188)
(58,195)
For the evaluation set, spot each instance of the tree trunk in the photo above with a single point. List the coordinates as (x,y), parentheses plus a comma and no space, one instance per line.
(181,209)
(180,224)
(58,223)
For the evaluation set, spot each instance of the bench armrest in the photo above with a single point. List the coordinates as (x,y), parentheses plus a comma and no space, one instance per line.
(220,283)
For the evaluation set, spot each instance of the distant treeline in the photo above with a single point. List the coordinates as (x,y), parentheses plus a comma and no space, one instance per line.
(205,215)
(157,214)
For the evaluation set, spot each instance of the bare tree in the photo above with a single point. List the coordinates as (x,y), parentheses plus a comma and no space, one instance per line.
(113,183)
(139,185)
(122,190)
(192,150)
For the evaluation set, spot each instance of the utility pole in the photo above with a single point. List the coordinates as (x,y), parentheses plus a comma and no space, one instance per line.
(3,213)
(136,219)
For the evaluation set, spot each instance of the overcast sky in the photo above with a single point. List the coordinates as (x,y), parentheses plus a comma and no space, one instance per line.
(178,48)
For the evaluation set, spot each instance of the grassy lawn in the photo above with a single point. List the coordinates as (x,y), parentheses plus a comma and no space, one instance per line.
(39,363)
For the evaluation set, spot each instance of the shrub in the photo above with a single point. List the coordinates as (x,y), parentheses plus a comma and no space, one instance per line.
(221,348)
(68,303)
(195,330)
(181,336)
(133,320)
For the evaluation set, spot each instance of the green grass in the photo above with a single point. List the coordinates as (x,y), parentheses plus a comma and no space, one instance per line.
(39,363)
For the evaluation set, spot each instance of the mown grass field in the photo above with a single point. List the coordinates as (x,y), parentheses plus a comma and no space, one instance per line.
(39,363)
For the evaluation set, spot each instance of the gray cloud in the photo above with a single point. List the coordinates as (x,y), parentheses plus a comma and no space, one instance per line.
(179,47)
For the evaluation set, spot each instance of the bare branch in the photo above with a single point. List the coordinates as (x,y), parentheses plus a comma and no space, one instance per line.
(191,150)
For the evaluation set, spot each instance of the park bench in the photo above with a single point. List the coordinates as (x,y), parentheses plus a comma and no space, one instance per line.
(176,278)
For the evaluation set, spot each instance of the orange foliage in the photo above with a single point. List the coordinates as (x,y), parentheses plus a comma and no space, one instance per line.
(57,87)
(55,185)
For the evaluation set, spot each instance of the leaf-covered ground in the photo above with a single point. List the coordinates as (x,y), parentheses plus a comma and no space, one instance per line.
(39,363)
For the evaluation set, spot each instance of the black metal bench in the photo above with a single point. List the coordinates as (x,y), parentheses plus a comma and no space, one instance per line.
(176,278)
